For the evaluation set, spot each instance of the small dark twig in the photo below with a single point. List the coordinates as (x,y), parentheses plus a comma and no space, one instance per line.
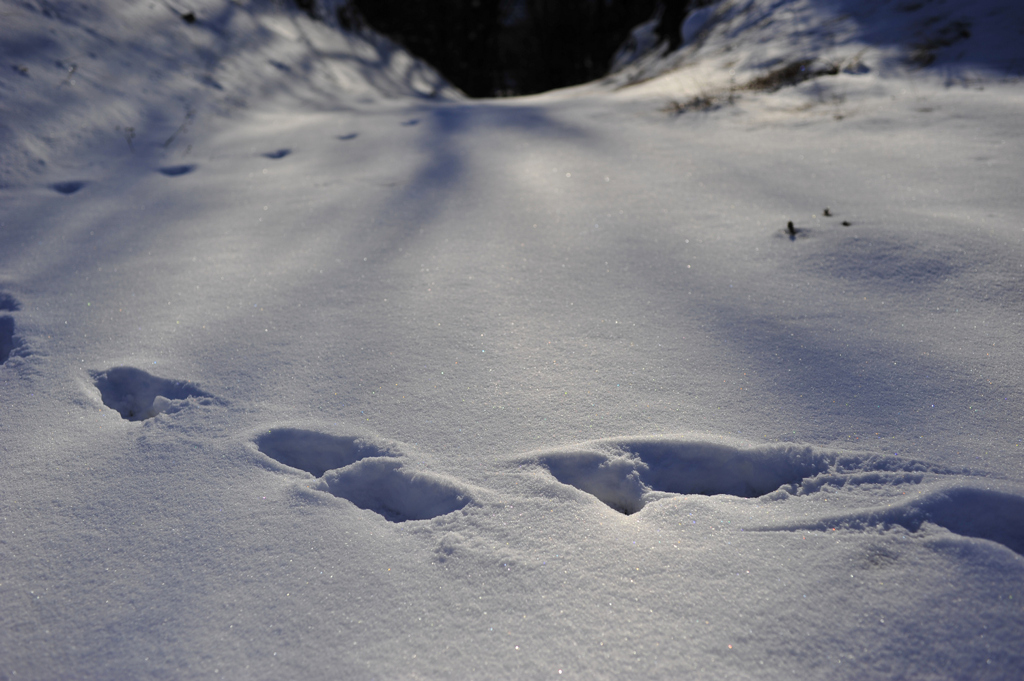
(181,128)
(827,213)
(790,229)
(129,135)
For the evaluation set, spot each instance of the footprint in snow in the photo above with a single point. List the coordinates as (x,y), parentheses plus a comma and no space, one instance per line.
(137,395)
(176,171)
(316,453)
(627,474)
(350,136)
(280,153)
(367,473)
(411,122)
(69,187)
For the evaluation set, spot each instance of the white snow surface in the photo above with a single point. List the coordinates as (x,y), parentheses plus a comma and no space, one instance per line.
(312,368)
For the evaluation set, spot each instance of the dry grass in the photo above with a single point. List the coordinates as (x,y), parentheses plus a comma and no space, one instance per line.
(701,102)
(923,53)
(790,74)
(787,75)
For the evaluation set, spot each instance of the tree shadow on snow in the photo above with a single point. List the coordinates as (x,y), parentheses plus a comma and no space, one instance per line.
(443,135)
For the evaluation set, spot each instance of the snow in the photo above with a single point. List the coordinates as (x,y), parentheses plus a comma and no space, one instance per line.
(312,367)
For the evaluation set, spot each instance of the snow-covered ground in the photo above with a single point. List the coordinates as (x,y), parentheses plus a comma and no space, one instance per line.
(314,369)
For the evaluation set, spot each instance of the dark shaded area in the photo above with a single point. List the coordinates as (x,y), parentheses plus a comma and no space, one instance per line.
(458,38)
(710,469)
(137,395)
(9,303)
(984,514)
(280,153)
(175,171)
(313,452)
(7,343)
(673,13)
(67,187)
(508,47)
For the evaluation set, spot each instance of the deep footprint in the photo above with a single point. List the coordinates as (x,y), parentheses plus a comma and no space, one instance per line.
(280,153)
(7,342)
(175,171)
(316,453)
(368,474)
(627,474)
(137,395)
(67,187)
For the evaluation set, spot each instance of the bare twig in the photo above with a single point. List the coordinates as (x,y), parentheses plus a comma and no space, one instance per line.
(181,128)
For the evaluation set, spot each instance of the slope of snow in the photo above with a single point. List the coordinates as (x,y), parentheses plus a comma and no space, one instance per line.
(94,80)
(341,375)
(730,40)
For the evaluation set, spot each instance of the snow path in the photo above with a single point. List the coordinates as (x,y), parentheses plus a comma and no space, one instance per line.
(511,389)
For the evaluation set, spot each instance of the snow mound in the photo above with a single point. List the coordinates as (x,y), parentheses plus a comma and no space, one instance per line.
(384,486)
(626,474)
(316,453)
(137,395)
(991,514)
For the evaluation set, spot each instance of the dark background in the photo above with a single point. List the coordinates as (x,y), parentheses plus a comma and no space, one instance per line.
(511,47)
